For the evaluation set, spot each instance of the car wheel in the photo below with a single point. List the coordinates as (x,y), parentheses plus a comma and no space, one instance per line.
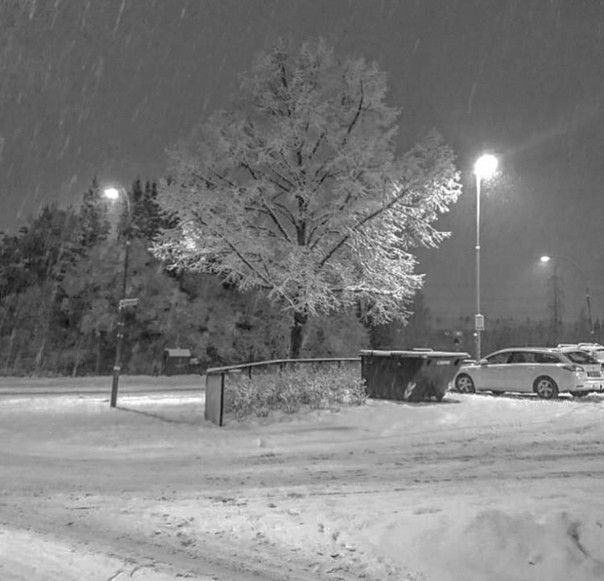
(464,384)
(545,387)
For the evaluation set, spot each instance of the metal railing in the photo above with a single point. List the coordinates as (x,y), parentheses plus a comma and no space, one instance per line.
(215,379)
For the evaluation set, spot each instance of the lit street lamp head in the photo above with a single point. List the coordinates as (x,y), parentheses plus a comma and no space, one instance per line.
(111,193)
(545,259)
(485,166)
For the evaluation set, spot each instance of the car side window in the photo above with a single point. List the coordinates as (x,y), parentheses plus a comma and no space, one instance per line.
(546,358)
(498,358)
(518,357)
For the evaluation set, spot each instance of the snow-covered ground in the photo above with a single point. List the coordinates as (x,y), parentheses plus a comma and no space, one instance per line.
(473,488)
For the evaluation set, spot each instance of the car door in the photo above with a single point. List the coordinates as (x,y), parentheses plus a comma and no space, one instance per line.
(520,371)
(492,374)
(549,365)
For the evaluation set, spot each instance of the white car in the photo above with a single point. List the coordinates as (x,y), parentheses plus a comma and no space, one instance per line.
(594,349)
(541,370)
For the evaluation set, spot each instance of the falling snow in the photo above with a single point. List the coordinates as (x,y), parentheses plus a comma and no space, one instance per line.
(104,88)
(477,485)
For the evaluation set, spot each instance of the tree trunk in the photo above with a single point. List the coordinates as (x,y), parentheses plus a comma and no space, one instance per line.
(296,335)
(40,354)
(11,347)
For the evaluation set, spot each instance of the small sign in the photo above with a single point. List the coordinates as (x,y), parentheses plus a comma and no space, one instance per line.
(124,303)
(479,322)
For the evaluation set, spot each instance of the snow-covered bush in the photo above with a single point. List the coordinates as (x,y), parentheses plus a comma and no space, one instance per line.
(291,390)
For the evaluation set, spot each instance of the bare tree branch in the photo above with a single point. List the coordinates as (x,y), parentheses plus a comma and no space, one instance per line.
(357,114)
(360,223)
(244,260)
(316,146)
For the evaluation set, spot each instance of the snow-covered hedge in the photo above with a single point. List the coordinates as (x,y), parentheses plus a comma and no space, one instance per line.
(291,390)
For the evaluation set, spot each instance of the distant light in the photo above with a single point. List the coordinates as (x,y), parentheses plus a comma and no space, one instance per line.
(545,259)
(485,166)
(111,193)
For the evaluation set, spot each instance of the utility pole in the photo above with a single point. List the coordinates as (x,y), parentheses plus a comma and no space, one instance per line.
(556,305)
(590,318)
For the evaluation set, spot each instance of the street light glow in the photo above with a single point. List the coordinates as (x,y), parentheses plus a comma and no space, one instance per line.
(111,193)
(485,166)
(545,259)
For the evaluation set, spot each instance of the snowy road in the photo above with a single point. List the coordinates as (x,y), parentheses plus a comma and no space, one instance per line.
(475,487)
(97,386)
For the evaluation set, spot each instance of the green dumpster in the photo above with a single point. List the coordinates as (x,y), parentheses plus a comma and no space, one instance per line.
(415,375)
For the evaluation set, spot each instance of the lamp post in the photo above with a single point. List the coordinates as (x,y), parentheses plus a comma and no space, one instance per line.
(115,194)
(484,168)
(556,304)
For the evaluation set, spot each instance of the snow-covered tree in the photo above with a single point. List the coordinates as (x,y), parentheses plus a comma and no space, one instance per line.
(297,189)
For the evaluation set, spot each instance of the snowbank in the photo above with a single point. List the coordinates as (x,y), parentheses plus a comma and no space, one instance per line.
(473,488)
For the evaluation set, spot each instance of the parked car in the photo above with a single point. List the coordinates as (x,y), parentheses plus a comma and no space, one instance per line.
(541,370)
(594,349)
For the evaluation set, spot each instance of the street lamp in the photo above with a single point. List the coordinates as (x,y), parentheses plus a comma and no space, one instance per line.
(484,168)
(116,194)
(545,259)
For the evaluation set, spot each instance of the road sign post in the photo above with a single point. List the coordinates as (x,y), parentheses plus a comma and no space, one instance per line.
(479,322)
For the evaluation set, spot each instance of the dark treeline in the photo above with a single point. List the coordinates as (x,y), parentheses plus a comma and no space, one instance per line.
(61,280)
(422,330)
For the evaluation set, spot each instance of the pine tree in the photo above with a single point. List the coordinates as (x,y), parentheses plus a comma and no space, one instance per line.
(148,217)
(42,250)
(94,225)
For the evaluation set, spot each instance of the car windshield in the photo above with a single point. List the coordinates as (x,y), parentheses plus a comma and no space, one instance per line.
(580,357)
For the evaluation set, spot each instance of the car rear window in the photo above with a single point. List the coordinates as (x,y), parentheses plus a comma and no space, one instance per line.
(580,357)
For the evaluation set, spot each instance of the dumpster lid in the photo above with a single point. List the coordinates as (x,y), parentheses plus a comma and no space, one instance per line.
(419,353)
(177,352)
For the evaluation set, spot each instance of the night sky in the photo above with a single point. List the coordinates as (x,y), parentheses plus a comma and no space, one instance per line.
(103,87)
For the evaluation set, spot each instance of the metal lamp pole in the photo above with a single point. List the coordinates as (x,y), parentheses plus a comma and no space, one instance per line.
(121,325)
(114,194)
(484,167)
(557,304)
(479,319)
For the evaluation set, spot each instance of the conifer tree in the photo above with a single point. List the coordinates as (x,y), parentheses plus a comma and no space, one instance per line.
(94,224)
(148,217)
